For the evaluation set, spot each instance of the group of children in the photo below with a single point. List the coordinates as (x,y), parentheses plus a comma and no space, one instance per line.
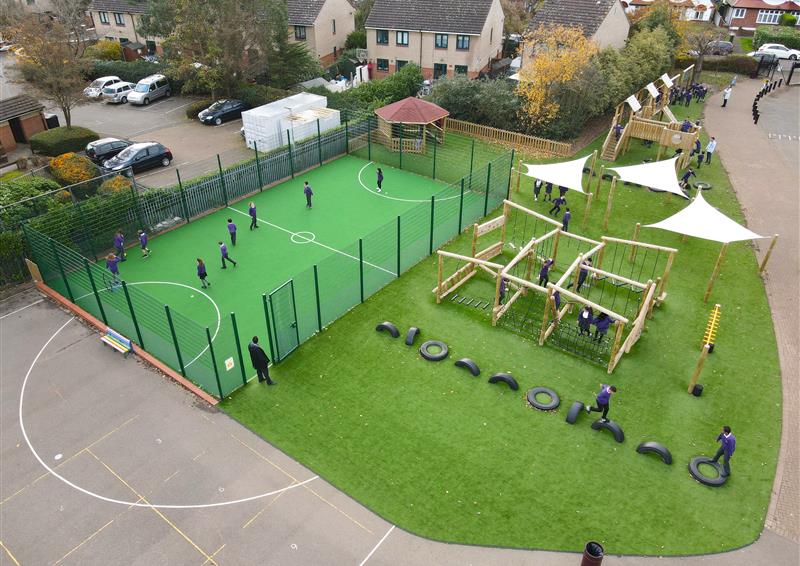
(560,201)
(684,96)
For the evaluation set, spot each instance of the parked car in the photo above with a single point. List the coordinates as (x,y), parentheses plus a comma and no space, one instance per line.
(716,48)
(95,90)
(4,48)
(149,89)
(118,92)
(222,111)
(106,148)
(139,157)
(780,51)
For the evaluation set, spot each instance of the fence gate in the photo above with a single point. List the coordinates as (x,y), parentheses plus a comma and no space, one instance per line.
(284,320)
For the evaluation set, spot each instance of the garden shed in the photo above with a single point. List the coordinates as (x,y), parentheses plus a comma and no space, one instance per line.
(408,124)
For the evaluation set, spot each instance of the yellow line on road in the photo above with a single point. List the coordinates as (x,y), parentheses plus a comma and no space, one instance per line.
(267,506)
(214,554)
(11,556)
(84,541)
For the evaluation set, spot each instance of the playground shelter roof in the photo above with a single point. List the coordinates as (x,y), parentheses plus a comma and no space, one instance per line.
(566,174)
(659,175)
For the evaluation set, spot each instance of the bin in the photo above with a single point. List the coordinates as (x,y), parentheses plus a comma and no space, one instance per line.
(592,554)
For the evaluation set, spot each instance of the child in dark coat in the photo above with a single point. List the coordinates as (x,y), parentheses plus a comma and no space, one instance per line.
(544,273)
(585,319)
(601,324)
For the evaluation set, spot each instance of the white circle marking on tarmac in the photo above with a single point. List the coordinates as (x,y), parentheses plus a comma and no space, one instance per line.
(109,499)
(303,237)
(213,303)
(377,194)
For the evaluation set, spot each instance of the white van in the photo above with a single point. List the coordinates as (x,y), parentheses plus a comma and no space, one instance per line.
(118,92)
(95,90)
(149,89)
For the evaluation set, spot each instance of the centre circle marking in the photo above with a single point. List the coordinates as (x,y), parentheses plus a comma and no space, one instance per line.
(303,237)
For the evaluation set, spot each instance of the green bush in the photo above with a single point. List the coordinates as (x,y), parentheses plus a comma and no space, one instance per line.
(777,34)
(196,107)
(12,253)
(12,192)
(115,184)
(62,140)
(788,19)
(76,170)
(130,71)
(258,95)
(741,64)
(104,50)
(356,39)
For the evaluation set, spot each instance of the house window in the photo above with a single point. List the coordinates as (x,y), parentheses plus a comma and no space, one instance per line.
(462,42)
(698,15)
(123,40)
(151,47)
(440,41)
(400,64)
(119,19)
(739,13)
(334,27)
(300,33)
(461,69)
(796,15)
(382,36)
(103,17)
(768,16)
(401,38)
(439,70)
(382,64)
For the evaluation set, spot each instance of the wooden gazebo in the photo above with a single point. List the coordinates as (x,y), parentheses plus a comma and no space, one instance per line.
(408,124)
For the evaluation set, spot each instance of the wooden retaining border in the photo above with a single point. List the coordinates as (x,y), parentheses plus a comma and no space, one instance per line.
(520,142)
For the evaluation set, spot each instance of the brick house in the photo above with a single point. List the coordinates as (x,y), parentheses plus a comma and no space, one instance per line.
(118,20)
(688,10)
(604,21)
(323,25)
(444,38)
(21,116)
(746,15)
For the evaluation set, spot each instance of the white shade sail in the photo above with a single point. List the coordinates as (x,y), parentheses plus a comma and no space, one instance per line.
(702,220)
(659,175)
(566,174)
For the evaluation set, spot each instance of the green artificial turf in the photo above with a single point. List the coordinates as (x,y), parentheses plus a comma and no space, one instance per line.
(448,456)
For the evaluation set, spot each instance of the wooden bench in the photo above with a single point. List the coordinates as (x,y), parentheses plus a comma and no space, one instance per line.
(117,341)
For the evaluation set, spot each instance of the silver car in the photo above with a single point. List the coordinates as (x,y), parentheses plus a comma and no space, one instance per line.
(117,93)
(149,89)
(95,90)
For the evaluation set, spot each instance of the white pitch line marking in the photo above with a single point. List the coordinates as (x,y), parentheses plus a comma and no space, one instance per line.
(380,542)
(377,194)
(21,308)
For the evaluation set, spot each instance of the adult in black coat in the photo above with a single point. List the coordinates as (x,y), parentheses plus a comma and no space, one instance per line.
(260,361)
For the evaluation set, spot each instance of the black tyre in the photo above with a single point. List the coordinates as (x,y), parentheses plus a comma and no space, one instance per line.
(411,335)
(165,162)
(553,403)
(425,352)
(610,426)
(124,100)
(218,121)
(388,327)
(694,469)
(470,365)
(146,101)
(505,378)
(574,412)
(655,448)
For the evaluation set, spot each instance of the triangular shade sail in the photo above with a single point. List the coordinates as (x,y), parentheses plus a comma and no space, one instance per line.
(567,174)
(659,175)
(702,220)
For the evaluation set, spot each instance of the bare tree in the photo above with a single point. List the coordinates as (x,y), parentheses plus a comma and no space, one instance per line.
(699,40)
(71,14)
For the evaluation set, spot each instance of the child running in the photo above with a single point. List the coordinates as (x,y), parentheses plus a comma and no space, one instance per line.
(223,250)
(112,263)
(143,243)
(380,179)
(232,231)
(251,210)
(202,274)
(603,398)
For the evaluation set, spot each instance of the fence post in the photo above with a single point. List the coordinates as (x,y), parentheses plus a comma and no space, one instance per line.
(291,157)
(136,209)
(369,138)
(175,340)
(346,137)
(86,232)
(488,181)
(214,362)
(238,348)
(319,142)
(222,180)
(94,290)
(61,269)
(434,159)
(269,328)
(401,146)
(461,206)
(511,168)
(133,314)
(183,196)
(430,242)
(258,167)
(398,246)
(361,267)
(316,292)
(471,158)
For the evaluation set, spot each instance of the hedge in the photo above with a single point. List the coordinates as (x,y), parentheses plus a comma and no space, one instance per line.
(776,34)
(62,140)
(12,252)
(115,184)
(196,107)
(72,169)
(741,64)
(130,71)
(258,95)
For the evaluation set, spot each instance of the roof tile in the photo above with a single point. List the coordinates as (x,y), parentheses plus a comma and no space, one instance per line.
(450,16)
(587,14)
(17,106)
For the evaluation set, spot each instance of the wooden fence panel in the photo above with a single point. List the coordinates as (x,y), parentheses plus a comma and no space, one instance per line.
(519,141)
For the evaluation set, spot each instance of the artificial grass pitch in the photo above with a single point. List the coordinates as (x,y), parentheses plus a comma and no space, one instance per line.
(451,457)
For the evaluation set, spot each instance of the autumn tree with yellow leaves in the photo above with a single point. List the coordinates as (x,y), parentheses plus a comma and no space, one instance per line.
(552,56)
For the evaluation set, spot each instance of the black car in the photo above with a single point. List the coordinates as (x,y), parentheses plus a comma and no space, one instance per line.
(139,157)
(222,111)
(106,148)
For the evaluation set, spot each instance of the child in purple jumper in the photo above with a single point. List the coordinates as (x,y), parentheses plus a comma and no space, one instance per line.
(119,245)
(308,192)
(112,264)
(232,231)
(202,274)
(726,448)
(603,398)
(251,210)
(544,273)
(223,250)
(143,243)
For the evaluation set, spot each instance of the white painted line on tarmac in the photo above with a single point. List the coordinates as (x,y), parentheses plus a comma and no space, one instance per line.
(179,107)
(380,542)
(21,309)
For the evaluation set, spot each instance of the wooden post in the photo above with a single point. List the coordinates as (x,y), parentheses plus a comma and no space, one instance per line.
(474,239)
(600,255)
(589,198)
(714,275)
(609,203)
(665,277)
(505,223)
(591,167)
(635,238)
(519,173)
(619,326)
(545,318)
(555,246)
(660,152)
(764,261)
(439,281)
(529,265)
(699,367)
(600,178)
(496,299)
(577,273)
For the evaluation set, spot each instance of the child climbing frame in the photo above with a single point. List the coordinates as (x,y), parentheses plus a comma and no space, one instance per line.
(625,293)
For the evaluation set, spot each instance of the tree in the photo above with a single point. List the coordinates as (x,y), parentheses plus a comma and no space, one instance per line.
(51,65)
(72,15)
(159,19)
(698,39)
(287,63)
(554,55)
(356,39)
(517,16)
(788,20)
(363,8)
(491,103)
(104,50)
(660,15)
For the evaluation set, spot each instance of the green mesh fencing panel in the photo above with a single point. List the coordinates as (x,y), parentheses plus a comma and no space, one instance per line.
(284,320)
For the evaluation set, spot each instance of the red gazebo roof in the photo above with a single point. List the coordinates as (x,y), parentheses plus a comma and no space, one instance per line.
(412,111)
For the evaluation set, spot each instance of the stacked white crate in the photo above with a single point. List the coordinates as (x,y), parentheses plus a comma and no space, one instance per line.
(303,125)
(262,125)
